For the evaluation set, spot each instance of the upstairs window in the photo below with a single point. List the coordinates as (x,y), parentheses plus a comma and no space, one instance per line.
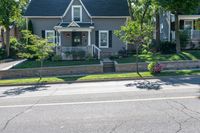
(77,13)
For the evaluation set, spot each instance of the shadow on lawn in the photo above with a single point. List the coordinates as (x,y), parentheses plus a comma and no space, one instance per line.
(22,90)
(157,85)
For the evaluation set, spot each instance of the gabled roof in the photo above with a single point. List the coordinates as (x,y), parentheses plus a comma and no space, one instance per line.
(55,8)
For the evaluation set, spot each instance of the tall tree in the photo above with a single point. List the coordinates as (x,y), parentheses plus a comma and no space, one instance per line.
(178,7)
(10,12)
(139,29)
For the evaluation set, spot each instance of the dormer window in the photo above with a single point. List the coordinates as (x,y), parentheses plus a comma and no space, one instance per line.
(77,13)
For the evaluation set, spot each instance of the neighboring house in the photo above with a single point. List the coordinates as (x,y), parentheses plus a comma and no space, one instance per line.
(187,22)
(80,25)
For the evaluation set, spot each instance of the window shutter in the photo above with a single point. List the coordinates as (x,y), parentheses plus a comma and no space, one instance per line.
(172,26)
(194,25)
(97,38)
(110,39)
(55,37)
(182,24)
(43,33)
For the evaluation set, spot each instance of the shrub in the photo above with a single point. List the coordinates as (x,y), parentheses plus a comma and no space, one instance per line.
(81,54)
(184,38)
(56,58)
(15,47)
(167,47)
(123,53)
(155,67)
(2,53)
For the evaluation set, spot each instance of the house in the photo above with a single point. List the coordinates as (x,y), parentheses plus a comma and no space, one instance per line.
(80,25)
(186,22)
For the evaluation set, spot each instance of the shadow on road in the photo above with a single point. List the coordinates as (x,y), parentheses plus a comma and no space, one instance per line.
(157,85)
(22,90)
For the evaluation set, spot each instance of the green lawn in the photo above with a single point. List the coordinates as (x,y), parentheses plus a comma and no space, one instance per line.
(187,55)
(97,77)
(35,64)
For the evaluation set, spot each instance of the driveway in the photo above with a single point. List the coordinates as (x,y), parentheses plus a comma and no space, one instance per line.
(103,107)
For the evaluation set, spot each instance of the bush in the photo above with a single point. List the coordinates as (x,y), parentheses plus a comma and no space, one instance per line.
(184,38)
(76,55)
(56,58)
(155,67)
(15,47)
(2,53)
(167,47)
(123,53)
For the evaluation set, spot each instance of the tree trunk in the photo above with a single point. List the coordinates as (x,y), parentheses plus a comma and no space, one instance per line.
(8,41)
(2,37)
(177,34)
(137,60)
(130,10)
(157,27)
(41,68)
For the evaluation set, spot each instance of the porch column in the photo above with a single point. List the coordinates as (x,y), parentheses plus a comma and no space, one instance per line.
(89,38)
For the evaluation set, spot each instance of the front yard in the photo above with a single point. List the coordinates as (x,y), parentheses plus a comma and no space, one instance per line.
(36,64)
(186,55)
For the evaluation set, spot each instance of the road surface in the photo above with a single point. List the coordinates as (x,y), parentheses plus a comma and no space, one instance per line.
(173,106)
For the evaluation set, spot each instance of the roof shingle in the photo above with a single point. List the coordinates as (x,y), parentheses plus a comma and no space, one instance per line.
(94,7)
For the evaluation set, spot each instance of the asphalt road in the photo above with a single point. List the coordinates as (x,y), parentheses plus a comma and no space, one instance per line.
(163,106)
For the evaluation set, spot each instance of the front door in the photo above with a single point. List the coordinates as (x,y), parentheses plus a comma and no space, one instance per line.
(76,39)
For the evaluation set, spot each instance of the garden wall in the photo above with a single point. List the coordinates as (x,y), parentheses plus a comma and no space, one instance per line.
(131,67)
(51,71)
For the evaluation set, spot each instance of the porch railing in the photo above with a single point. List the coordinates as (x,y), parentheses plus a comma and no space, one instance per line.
(194,34)
(92,50)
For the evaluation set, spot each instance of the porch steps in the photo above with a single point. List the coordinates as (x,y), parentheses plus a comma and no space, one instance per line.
(108,65)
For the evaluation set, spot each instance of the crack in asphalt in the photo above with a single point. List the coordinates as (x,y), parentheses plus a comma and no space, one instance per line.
(22,112)
(117,126)
(183,112)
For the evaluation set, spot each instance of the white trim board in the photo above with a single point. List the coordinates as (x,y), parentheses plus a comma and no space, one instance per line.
(71,5)
(103,31)
(81,12)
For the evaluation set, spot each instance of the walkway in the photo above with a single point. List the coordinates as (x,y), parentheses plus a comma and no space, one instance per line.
(9,64)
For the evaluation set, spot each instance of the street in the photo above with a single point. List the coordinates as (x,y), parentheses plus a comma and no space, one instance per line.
(173,106)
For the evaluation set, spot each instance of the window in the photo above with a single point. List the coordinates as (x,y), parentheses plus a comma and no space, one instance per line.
(188,24)
(103,39)
(50,36)
(77,13)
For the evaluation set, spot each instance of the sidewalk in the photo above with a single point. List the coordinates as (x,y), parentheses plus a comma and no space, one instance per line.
(9,64)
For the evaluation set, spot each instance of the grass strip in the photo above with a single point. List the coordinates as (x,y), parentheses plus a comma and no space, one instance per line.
(96,77)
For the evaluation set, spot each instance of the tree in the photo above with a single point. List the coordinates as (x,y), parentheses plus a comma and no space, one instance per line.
(37,48)
(178,7)
(138,30)
(10,12)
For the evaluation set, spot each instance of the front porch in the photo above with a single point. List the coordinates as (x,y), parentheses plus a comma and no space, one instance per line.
(74,41)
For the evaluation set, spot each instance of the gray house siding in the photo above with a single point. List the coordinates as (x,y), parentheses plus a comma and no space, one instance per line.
(109,25)
(68,16)
(44,24)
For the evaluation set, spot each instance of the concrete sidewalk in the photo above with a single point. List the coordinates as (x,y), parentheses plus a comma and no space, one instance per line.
(9,64)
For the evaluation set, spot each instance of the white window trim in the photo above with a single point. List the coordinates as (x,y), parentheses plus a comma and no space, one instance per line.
(189,20)
(50,31)
(103,31)
(77,6)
